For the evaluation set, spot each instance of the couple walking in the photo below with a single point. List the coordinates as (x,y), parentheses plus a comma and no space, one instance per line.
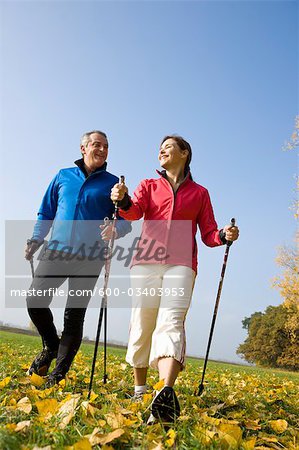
(173,207)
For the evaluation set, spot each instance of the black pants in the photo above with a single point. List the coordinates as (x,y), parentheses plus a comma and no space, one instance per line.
(52,271)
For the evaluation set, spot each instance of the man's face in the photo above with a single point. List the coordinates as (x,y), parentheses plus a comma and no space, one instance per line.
(95,152)
(171,156)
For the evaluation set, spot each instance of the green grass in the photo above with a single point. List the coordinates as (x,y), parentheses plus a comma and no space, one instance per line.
(34,344)
(234,396)
(242,368)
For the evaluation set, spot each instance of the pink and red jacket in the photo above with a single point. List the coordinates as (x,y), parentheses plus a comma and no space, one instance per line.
(179,214)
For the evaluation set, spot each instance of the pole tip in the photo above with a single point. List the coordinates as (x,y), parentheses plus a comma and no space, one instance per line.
(232,221)
(200,390)
(122,179)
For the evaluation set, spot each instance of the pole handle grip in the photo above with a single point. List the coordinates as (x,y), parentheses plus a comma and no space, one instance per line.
(121,181)
(232,223)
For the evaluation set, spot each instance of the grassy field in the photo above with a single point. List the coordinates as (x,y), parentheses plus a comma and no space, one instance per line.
(241,407)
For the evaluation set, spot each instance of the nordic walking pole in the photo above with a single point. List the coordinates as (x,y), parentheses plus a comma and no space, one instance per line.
(32,266)
(105,376)
(107,270)
(31,260)
(229,243)
(103,310)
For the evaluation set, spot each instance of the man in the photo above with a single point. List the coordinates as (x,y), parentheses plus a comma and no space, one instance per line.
(74,206)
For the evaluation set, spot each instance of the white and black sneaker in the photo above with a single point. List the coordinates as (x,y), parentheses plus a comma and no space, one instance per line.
(137,397)
(165,406)
(151,420)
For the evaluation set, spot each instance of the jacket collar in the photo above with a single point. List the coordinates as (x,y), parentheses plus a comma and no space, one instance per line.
(81,165)
(162,174)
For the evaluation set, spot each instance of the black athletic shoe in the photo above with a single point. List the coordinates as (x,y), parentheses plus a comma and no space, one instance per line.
(165,406)
(53,378)
(42,362)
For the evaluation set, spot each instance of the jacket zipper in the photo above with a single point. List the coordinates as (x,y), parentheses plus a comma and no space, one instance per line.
(174,194)
(77,207)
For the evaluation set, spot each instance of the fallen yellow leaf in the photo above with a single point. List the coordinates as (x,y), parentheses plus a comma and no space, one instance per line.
(204,435)
(36,380)
(11,426)
(24,380)
(102,439)
(115,420)
(61,383)
(4,382)
(83,444)
(249,444)
(131,422)
(171,435)
(159,385)
(209,436)
(183,418)
(261,447)
(93,396)
(154,434)
(24,405)
(88,408)
(231,434)
(272,439)
(216,408)
(22,425)
(4,401)
(157,447)
(147,398)
(67,410)
(252,424)
(125,411)
(210,420)
(46,408)
(279,426)
(43,393)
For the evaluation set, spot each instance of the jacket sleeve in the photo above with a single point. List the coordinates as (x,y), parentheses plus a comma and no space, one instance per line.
(123,227)
(137,204)
(47,210)
(207,223)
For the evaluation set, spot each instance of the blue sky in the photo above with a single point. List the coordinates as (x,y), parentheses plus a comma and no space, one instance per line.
(224,74)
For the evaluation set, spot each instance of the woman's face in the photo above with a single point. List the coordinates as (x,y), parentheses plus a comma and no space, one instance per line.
(171,156)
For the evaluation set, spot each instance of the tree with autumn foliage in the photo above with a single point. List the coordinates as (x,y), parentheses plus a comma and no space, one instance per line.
(291,145)
(288,285)
(270,343)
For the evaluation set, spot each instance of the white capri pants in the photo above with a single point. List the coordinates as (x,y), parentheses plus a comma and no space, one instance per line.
(161,298)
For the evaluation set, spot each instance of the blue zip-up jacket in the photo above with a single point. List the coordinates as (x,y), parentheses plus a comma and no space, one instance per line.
(75,205)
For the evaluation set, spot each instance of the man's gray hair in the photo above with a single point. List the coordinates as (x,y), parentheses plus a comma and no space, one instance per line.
(86,136)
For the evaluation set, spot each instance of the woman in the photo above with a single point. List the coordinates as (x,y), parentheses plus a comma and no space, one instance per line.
(157,334)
